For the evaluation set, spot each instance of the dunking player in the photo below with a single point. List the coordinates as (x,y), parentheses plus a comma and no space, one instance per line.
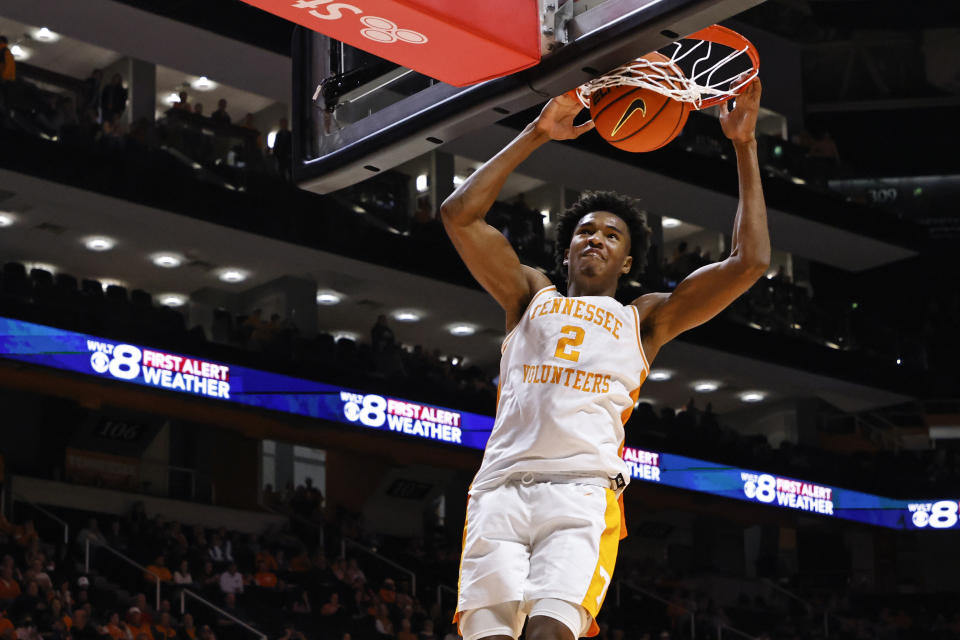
(543,519)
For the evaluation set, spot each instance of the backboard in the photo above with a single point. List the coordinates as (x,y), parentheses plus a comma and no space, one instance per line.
(356,114)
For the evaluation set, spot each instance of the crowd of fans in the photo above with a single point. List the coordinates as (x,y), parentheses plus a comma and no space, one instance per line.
(93,113)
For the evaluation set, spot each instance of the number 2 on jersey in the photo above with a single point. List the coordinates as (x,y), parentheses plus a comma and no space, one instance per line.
(574,340)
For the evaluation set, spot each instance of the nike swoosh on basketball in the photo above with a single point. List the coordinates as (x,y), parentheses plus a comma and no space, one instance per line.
(637,105)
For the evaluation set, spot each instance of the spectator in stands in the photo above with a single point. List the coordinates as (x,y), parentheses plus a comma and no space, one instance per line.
(283,150)
(116,629)
(29,602)
(164,629)
(158,570)
(8,64)
(220,551)
(113,98)
(90,94)
(231,580)
(381,335)
(198,108)
(92,533)
(405,632)
(137,625)
(383,624)
(183,103)
(141,604)
(290,633)
(9,587)
(249,124)
(264,578)
(220,116)
(182,574)
(188,631)
(225,624)
(82,628)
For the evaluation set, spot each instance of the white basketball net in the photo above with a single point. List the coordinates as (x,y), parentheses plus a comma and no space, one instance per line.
(665,77)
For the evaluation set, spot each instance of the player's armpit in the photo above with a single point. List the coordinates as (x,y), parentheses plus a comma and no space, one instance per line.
(698,298)
(495,265)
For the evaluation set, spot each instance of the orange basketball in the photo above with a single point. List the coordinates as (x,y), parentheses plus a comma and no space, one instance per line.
(637,119)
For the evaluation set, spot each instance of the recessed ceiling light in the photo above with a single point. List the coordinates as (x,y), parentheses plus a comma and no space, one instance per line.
(462,329)
(99,243)
(232,275)
(346,335)
(329,297)
(422,183)
(203,83)
(172,98)
(797,180)
(706,386)
(45,35)
(642,400)
(670,223)
(20,53)
(407,315)
(658,375)
(172,299)
(752,396)
(167,260)
(458,180)
(7,219)
(832,345)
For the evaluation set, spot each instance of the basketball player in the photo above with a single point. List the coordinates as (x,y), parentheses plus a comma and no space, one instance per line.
(543,520)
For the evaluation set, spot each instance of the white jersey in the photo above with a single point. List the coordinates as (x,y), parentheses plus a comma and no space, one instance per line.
(570,375)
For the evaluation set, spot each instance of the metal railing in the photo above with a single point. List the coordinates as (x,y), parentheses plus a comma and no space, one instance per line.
(810,608)
(128,560)
(184,593)
(440,589)
(66,528)
(343,552)
(721,628)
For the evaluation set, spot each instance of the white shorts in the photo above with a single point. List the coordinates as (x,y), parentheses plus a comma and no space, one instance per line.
(528,542)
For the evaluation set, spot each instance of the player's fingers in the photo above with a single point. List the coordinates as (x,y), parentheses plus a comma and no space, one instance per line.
(724,108)
(581,129)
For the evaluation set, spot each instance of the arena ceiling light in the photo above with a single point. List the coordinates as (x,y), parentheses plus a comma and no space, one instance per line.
(670,223)
(329,297)
(232,275)
(462,329)
(203,83)
(172,299)
(706,386)
(753,396)
(167,260)
(422,184)
(640,401)
(346,335)
(20,53)
(99,243)
(172,98)
(407,315)
(660,375)
(45,35)
(7,219)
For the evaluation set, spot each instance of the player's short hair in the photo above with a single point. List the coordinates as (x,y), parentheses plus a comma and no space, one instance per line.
(624,207)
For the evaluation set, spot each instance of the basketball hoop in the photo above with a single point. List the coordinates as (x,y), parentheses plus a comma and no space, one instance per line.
(735,61)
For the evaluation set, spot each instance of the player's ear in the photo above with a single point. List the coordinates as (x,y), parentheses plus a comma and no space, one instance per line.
(566,257)
(627,265)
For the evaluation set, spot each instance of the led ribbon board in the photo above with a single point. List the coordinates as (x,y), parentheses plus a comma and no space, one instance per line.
(98,357)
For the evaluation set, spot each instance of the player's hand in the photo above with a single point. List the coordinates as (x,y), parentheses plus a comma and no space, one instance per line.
(556,119)
(740,124)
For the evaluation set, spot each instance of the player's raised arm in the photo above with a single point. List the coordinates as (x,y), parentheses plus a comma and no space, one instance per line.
(487,254)
(710,289)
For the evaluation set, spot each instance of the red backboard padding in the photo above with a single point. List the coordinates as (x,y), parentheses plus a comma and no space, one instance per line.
(459,42)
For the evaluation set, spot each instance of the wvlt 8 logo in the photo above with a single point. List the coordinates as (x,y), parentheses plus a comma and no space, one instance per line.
(375,28)
(123,361)
(370,410)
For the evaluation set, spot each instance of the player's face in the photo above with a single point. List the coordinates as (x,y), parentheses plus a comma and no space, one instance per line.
(600,247)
